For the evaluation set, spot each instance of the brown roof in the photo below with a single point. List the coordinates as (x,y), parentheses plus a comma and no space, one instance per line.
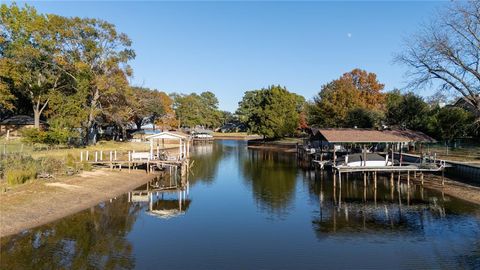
(20,120)
(414,136)
(358,135)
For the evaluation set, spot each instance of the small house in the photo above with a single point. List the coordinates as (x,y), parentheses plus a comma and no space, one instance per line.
(13,124)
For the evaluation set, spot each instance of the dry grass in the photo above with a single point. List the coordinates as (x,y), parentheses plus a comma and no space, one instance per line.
(122,148)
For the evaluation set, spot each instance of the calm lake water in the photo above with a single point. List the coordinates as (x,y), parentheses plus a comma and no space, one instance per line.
(252,209)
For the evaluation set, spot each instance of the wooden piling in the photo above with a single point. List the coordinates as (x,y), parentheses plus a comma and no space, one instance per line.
(340,180)
(408,179)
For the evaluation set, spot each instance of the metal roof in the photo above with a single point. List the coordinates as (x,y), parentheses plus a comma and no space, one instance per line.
(357,135)
(168,135)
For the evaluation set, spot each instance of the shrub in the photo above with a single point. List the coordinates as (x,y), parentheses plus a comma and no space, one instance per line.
(20,176)
(70,161)
(33,135)
(51,165)
(86,166)
(16,169)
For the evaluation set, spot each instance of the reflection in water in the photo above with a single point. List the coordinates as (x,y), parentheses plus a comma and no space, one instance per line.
(159,195)
(205,157)
(318,226)
(92,239)
(358,209)
(272,176)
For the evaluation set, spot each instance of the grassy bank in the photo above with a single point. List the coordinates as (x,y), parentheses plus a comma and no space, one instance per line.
(22,162)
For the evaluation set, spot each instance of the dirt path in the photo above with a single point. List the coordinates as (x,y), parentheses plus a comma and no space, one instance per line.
(42,201)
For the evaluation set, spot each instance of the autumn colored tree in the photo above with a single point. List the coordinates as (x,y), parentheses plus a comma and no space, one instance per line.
(30,49)
(355,89)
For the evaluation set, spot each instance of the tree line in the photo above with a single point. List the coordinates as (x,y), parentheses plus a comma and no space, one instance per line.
(74,73)
(444,55)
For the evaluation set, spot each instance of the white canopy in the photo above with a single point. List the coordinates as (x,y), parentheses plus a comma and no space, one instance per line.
(183,139)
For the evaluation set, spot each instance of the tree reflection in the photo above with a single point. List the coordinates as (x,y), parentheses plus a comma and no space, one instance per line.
(92,239)
(272,177)
(206,157)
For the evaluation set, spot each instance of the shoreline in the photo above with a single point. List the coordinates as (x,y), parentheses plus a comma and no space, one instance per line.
(453,188)
(43,201)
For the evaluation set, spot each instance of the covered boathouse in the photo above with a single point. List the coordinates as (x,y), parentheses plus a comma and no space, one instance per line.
(325,146)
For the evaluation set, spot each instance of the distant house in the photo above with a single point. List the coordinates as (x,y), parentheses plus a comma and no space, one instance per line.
(17,122)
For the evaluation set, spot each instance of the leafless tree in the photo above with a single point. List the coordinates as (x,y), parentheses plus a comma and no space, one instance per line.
(447,51)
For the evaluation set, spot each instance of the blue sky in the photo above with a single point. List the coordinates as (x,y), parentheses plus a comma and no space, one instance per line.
(231,47)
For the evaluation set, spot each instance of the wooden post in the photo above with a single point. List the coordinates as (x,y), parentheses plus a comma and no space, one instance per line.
(86,157)
(393,159)
(101,155)
(81,156)
(111,156)
(340,180)
(375,181)
(334,156)
(334,180)
(96,156)
(443,178)
(421,177)
(408,179)
(364,179)
(391,179)
(115,157)
(364,155)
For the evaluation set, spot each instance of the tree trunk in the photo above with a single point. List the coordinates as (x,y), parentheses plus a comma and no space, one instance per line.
(138,123)
(91,132)
(36,117)
(124,133)
(37,111)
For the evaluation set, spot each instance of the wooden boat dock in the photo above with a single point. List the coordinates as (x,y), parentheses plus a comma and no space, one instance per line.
(156,158)
(325,145)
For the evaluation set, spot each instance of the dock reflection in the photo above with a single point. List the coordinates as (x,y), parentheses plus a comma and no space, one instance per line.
(166,197)
(356,209)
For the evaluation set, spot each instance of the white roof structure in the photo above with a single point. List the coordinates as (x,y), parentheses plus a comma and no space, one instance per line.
(167,135)
(183,147)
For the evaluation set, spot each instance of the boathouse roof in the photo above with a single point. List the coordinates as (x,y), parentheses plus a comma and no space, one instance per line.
(414,136)
(357,135)
(168,135)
